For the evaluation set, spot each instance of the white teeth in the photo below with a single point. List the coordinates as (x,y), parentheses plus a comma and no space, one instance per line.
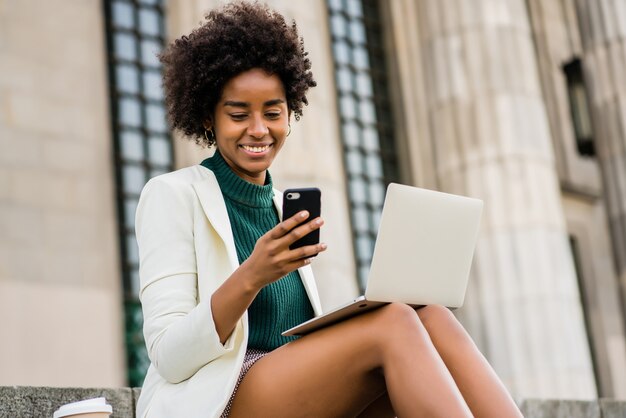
(255,149)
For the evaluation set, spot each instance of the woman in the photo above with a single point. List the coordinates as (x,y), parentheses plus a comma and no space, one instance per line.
(219,283)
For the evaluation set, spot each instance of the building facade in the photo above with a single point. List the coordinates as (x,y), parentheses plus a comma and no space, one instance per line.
(517,102)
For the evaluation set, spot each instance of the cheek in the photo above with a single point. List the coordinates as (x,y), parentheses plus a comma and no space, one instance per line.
(281,142)
(278,130)
(284,127)
(227,129)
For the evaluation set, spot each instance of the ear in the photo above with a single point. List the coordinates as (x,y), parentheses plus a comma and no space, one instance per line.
(208,124)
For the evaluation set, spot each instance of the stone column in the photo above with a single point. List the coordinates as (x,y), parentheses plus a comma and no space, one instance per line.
(491,140)
(603,34)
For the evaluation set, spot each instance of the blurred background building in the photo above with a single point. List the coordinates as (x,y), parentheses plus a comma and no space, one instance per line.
(521,103)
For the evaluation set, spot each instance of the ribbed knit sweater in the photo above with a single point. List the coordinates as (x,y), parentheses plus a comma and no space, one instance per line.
(283,303)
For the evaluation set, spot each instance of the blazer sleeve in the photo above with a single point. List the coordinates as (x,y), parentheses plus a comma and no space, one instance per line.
(180,334)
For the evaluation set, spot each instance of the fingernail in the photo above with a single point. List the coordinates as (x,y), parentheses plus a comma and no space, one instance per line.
(318,221)
(304,214)
(323,245)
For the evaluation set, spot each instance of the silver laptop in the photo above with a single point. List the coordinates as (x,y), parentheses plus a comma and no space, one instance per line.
(422,256)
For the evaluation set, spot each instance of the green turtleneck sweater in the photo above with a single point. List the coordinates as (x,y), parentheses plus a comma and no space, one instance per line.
(283,303)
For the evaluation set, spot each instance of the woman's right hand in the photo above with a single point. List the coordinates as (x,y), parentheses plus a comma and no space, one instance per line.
(272,259)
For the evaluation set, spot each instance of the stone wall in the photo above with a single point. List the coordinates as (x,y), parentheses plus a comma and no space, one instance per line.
(35,402)
(59,265)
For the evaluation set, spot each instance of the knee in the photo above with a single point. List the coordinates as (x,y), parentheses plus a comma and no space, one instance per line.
(438,317)
(399,318)
(396,328)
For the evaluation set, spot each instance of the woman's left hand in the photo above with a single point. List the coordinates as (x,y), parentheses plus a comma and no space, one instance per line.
(272,258)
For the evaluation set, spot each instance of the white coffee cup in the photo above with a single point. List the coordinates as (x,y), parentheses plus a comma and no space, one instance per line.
(89,408)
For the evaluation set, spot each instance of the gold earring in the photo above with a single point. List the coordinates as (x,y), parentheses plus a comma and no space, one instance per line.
(288,133)
(211,139)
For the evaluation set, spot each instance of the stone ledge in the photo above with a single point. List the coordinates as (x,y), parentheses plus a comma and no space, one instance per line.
(548,408)
(41,402)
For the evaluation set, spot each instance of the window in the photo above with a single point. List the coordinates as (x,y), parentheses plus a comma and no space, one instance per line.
(579,108)
(364,109)
(142,143)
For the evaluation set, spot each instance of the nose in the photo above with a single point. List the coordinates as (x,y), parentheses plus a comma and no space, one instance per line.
(257,127)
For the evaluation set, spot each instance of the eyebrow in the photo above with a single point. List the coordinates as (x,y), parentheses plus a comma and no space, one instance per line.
(233,103)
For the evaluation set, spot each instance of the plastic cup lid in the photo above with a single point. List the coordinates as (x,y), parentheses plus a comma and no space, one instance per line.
(83,407)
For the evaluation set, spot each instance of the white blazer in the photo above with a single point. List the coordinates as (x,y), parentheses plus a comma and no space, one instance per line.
(186,251)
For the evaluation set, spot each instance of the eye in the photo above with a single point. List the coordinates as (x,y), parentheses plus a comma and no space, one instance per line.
(272,115)
(238,116)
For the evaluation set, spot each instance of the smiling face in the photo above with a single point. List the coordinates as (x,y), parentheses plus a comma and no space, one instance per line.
(251,122)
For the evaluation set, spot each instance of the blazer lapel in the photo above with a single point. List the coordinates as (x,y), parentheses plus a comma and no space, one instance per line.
(306,274)
(212,201)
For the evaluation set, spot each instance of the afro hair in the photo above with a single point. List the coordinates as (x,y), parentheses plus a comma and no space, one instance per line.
(233,39)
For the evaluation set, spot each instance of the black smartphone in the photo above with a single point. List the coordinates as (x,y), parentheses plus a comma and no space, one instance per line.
(296,200)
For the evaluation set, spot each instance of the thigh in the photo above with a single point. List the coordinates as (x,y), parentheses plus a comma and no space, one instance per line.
(333,372)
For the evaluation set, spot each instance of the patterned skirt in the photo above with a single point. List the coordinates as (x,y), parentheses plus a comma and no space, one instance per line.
(252,356)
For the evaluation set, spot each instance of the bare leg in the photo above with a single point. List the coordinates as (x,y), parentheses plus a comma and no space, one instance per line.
(336,372)
(482,389)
